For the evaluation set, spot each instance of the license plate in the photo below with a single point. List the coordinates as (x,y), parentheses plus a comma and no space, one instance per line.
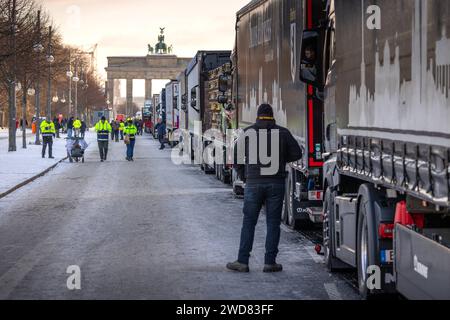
(387,256)
(315,195)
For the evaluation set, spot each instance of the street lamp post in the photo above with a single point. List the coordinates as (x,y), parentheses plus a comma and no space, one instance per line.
(76,80)
(50,60)
(12,83)
(37,99)
(69,75)
(29,92)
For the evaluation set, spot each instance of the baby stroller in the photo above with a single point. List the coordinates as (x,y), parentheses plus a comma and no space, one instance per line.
(76,147)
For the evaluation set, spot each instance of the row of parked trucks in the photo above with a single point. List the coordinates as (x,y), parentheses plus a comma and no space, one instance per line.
(363,85)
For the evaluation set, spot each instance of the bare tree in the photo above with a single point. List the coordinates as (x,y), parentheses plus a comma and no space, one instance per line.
(24,39)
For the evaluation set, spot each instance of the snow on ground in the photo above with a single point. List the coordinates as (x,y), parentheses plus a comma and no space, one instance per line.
(17,167)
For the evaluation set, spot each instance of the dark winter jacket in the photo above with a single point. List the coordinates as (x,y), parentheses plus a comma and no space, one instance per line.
(70,124)
(161,128)
(289,151)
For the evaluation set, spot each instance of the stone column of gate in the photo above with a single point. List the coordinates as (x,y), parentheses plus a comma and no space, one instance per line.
(148,89)
(129,97)
(110,95)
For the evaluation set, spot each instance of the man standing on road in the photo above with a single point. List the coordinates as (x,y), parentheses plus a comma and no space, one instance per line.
(83,129)
(48,132)
(121,128)
(264,185)
(57,126)
(103,129)
(161,129)
(130,132)
(115,130)
(70,128)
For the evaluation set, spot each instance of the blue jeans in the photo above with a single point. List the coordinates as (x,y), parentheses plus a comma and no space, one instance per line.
(256,195)
(130,148)
(69,133)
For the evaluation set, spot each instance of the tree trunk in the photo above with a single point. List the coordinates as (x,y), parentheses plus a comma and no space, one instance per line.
(38,113)
(12,117)
(24,118)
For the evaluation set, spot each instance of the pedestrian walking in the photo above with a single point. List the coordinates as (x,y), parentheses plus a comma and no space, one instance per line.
(121,128)
(130,132)
(83,129)
(112,131)
(115,130)
(70,127)
(57,126)
(263,188)
(21,123)
(161,130)
(48,132)
(103,129)
(77,127)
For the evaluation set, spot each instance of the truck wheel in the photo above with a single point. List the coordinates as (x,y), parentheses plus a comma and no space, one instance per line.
(216,167)
(219,172)
(290,220)
(226,178)
(328,230)
(365,253)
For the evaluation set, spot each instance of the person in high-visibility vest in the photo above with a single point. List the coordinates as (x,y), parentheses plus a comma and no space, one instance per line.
(77,127)
(103,129)
(48,132)
(121,128)
(130,132)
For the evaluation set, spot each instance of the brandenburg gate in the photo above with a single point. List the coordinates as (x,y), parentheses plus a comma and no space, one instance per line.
(159,63)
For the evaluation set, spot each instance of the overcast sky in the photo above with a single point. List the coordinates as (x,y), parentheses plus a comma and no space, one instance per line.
(125,27)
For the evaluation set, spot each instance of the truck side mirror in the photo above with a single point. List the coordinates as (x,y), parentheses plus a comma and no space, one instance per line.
(311,58)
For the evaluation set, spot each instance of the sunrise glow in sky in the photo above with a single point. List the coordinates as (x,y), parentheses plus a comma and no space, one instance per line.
(125,27)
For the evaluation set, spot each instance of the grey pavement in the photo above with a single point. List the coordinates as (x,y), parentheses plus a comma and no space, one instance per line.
(144,230)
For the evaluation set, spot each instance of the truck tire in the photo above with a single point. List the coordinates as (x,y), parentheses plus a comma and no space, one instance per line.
(216,166)
(331,261)
(239,192)
(290,221)
(219,173)
(365,250)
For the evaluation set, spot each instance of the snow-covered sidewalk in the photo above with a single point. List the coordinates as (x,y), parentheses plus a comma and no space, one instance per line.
(4,135)
(24,164)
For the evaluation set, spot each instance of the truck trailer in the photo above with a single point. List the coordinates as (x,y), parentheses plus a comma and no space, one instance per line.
(182,101)
(156,107)
(197,91)
(266,64)
(220,115)
(382,69)
(172,113)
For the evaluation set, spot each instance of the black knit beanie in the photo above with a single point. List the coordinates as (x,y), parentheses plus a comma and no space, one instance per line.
(265,112)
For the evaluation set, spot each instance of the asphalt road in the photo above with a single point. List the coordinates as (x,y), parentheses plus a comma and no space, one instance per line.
(144,230)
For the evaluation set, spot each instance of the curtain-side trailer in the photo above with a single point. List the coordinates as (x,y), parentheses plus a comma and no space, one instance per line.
(267,59)
(383,67)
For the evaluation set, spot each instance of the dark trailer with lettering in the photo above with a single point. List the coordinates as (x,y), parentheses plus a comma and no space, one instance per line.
(266,70)
(384,66)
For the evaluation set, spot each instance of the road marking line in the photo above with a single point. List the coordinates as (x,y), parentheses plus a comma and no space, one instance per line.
(332,291)
(12,278)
